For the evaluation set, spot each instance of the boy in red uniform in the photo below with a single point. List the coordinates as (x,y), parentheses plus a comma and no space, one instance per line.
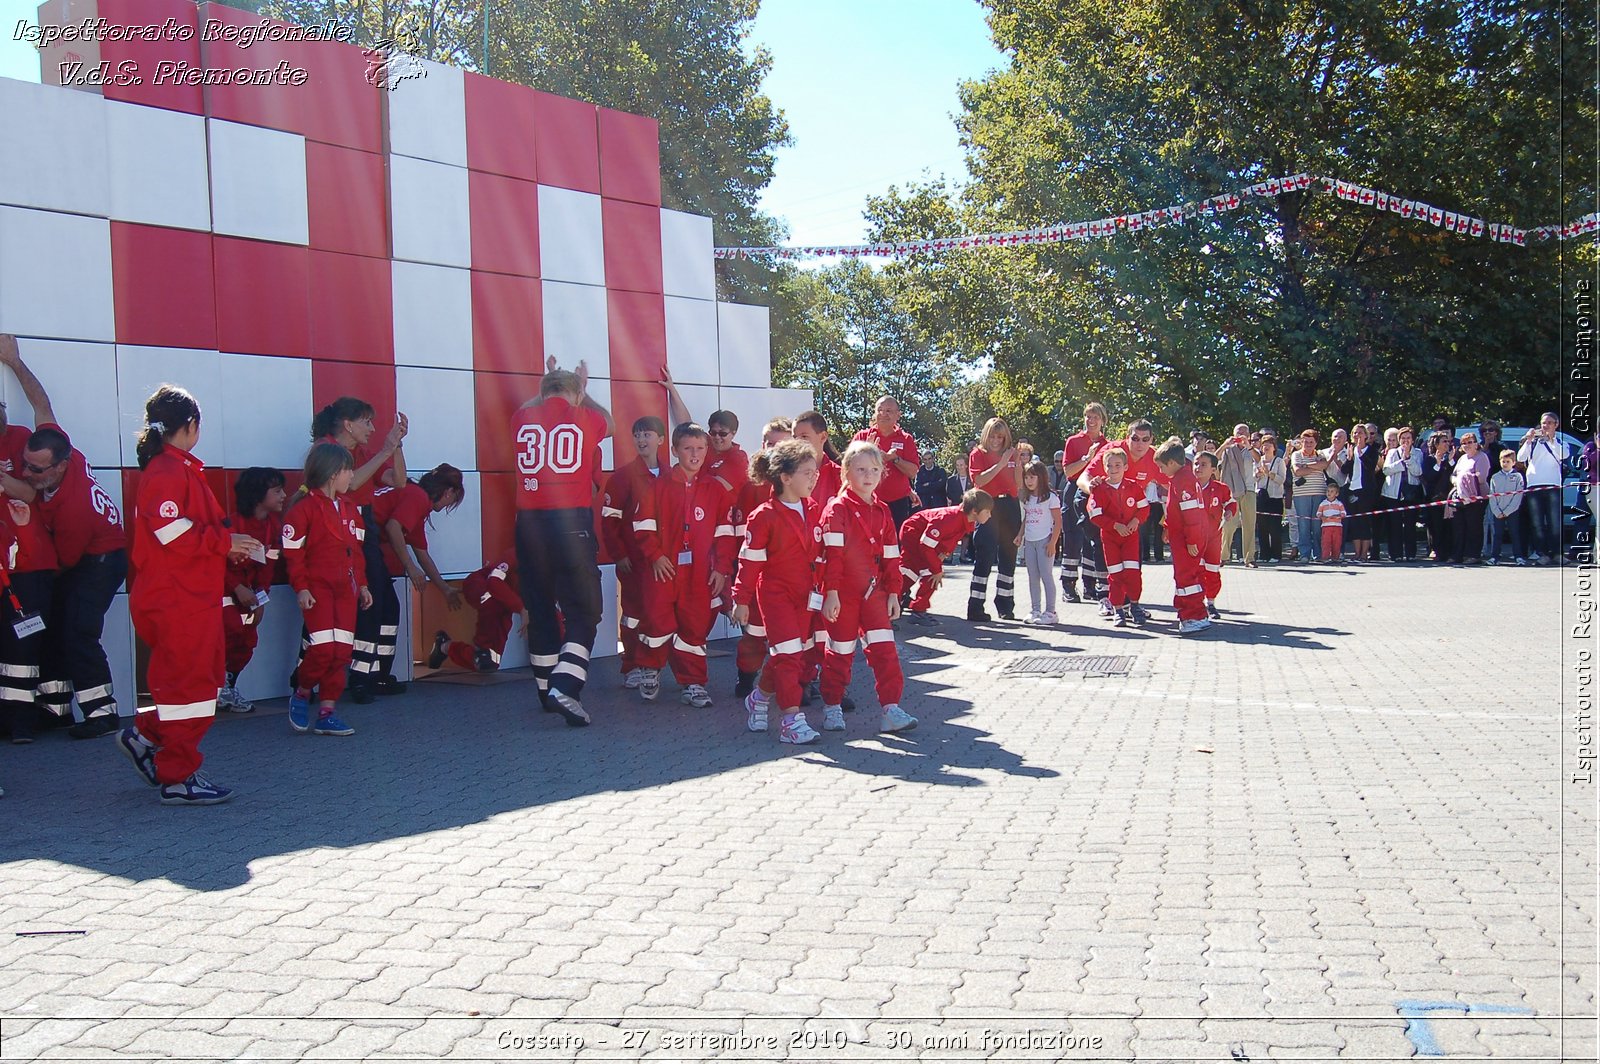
(861,591)
(622,489)
(751,651)
(497,602)
(259,498)
(1198,504)
(685,532)
(1117,506)
(1142,471)
(813,428)
(925,539)
(558,437)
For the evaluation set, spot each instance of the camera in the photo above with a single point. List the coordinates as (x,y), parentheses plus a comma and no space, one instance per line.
(1299,482)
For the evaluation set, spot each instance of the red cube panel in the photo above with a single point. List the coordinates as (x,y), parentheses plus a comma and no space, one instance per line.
(499,509)
(567,141)
(263,304)
(371,383)
(632,234)
(347,193)
(352,308)
(637,322)
(507,323)
(163,286)
(149,56)
(498,395)
(630,157)
(505,224)
(335,104)
(500,127)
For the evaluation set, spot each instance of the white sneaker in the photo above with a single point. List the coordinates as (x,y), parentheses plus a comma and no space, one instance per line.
(634,678)
(1049,617)
(797,731)
(696,696)
(231,700)
(649,684)
(896,719)
(833,718)
(755,712)
(1191,627)
(1105,608)
(570,708)
(1033,616)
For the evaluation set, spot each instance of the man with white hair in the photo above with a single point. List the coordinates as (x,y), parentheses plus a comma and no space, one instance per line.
(1238,462)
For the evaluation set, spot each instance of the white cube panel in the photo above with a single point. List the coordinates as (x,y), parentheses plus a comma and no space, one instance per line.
(432,315)
(159,173)
(702,399)
(755,407)
(744,346)
(455,539)
(515,656)
(431,219)
(55,275)
(575,328)
(571,245)
(277,648)
(141,370)
(605,636)
(428,115)
(117,640)
(266,411)
(692,340)
(687,266)
(439,404)
(792,401)
(81,381)
(600,392)
(258,183)
(57,145)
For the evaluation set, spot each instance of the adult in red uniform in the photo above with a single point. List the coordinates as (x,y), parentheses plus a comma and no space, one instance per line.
(497,602)
(29,563)
(996,468)
(925,539)
(1080,549)
(259,499)
(401,516)
(621,493)
(181,546)
(900,454)
(1117,506)
(685,532)
(557,438)
(91,551)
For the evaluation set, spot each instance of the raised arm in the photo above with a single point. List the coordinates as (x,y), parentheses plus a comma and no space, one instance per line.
(11,358)
(676,407)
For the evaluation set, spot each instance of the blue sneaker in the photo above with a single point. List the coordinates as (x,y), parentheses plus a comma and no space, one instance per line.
(140,752)
(196,790)
(299,713)
(331,725)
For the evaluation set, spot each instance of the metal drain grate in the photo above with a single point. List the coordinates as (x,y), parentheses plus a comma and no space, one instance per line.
(1061,664)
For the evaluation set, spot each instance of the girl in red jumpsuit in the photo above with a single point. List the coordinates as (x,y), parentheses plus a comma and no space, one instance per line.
(861,590)
(1118,506)
(751,651)
(259,498)
(181,547)
(777,572)
(322,538)
(493,592)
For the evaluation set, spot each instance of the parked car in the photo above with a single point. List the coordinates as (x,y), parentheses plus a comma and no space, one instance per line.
(1575,515)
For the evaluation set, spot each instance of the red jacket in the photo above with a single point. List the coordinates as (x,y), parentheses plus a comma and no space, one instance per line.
(180,543)
(410,506)
(361,455)
(928,535)
(859,546)
(1195,514)
(780,552)
(731,467)
(829,480)
(491,584)
(679,516)
(751,495)
(322,542)
(81,517)
(257,576)
(623,489)
(36,551)
(1109,506)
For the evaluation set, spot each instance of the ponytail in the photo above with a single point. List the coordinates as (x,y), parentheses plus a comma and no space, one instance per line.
(780,460)
(166,412)
(328,420)
(440,481)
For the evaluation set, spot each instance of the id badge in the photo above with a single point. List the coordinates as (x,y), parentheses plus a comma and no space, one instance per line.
(28,624)
(685,557)
(259,555)
(815,601)
(262,598)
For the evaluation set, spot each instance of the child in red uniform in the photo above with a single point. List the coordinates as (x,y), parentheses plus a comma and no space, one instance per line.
(1139,452)
(181,546)
(752,647)
(1197,506)
(401,516)
(861,590)
(1117,505)
(29,565)
(777,572)
(685,532)
(925,539)
(259,498)
(322,537)
(492,592)
(622,488)
(813,428)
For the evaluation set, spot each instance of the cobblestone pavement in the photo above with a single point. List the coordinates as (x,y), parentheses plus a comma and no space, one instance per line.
(1332,827)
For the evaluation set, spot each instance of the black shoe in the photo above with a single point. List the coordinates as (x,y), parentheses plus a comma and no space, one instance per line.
(920,618)
(440,651)
(362,696)
(746,684)
(1212,611)
(94,727)
(1006,616)
(847,704)
(977,613)
(483,662)
(1138,614)
(1069,592)
(1121,618)
(388,685)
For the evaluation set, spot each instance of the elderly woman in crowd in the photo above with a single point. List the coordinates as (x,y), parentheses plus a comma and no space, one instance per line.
(1470,480)
(1310,480)
(1437,469)
(1270,476)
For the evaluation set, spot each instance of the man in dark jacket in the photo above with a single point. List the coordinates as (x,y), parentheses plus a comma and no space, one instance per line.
(932,484)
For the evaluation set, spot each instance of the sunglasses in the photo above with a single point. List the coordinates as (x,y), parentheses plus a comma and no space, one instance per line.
(718,432)
(1141,439)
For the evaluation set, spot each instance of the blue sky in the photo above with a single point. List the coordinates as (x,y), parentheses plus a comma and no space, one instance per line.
(868,87)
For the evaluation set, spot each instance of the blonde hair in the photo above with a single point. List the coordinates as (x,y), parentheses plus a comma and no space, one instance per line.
(990,426)
(859,449)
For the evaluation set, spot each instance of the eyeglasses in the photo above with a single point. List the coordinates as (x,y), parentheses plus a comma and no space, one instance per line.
(718,432)
(1141,439)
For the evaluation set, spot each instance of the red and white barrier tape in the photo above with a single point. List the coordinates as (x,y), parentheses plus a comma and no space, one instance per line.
(1437,502)
(1136,222)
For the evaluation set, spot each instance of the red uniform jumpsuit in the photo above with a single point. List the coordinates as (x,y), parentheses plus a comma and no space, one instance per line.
(322,540)
(241,626)
(751,651)
(861,561)
(691,525)
(777,572)
(730,467)
(1195,515)
(180,549)
(925,538)
(830,481)
(498,605)
(622,488)
(410,506)
(30,565)
(1117,504)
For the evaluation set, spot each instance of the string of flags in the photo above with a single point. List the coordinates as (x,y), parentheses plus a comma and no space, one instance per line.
(1133,223)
